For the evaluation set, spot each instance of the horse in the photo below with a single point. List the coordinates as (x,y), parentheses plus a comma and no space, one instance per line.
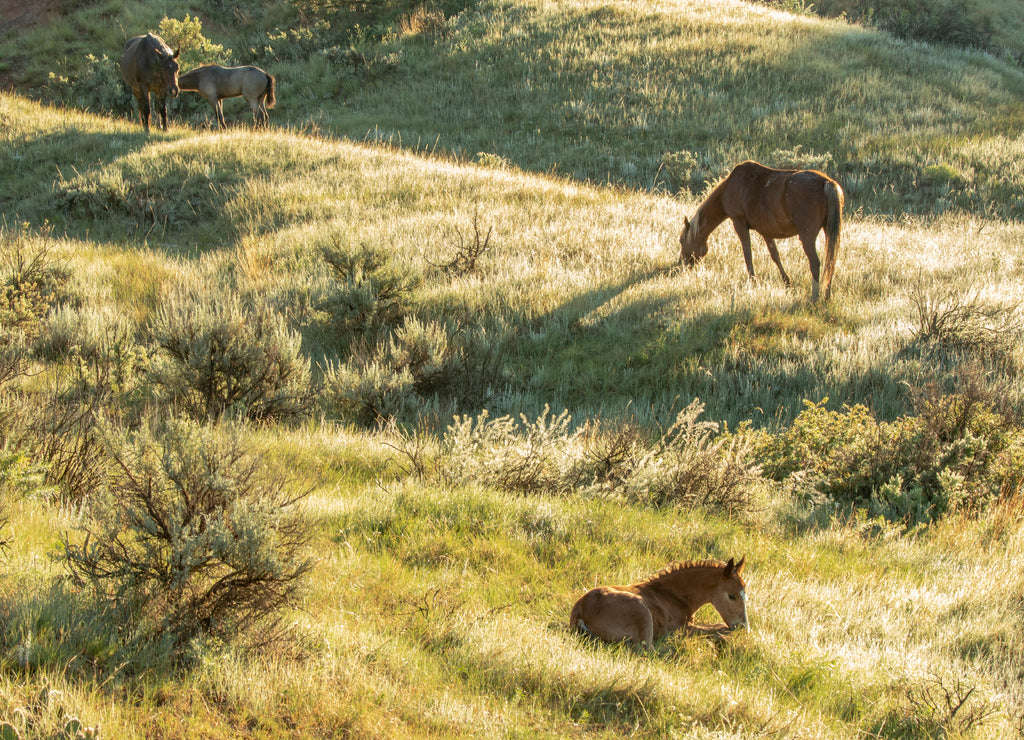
(777,204)
(149,66)
(215,83)
(647,611)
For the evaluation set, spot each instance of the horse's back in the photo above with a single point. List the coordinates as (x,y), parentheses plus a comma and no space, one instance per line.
(137,58)
(778,203)
(129,65)
(613,614)
(229,82)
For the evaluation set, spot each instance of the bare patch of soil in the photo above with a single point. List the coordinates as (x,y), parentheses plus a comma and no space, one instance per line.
(17,15)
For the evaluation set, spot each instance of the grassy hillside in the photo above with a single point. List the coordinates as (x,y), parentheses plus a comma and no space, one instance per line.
(437,599)
(667,96)
(865,455)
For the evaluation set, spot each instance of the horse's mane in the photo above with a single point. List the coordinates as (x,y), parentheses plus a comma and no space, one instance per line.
(713,189)
(674,568)
(712,193)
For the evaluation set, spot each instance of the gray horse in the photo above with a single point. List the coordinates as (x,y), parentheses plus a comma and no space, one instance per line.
(215,83)
(149,66)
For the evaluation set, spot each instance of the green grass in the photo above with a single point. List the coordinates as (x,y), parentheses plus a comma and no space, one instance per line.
(439,609)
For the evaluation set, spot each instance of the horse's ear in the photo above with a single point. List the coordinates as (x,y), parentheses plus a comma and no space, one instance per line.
(686,223)
(176,53)
(739,565)
(729,567)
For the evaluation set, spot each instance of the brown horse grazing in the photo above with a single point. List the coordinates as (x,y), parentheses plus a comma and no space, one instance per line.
(777,204)
(651,609)
(149,66)
(215,83)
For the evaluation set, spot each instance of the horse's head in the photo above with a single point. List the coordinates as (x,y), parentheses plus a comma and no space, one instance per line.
(166,71)
(691,247)
(730,596)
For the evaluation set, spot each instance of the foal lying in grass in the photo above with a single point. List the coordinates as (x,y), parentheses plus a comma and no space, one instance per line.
(649,610)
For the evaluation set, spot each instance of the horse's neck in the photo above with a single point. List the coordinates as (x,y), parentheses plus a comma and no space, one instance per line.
(711,213)
(687,588)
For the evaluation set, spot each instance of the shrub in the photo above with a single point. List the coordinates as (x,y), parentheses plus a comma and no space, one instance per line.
(32,281)
(467,254)
(689,465)
(957,453)
(419,365)
(186,37)
(369,392)
(955,327)
(186,539)
(14,351)
(522,456)
(59,424)
(97,87)
(690,171)
(371,292)
(87,332)
(797,159)
(692,465)
(217,357)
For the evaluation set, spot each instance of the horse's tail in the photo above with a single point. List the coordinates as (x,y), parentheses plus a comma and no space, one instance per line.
(575,621)
(270,92)
(833,222)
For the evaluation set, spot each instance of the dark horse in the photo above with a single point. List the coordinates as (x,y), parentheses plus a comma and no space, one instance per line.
(215,83)
(149,66)
(776,204)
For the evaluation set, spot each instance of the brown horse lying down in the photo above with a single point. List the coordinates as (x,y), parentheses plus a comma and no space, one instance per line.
(776,204)
(649,610)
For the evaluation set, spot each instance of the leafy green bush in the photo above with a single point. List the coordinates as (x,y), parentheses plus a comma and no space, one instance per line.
(186,539)
(186,37)
(96,87)
(957,454)
(217,356)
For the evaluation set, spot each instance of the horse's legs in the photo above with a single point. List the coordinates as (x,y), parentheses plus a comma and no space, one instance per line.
(142,96)
(743,232)
(774,252)
(218,108)
(257,111)
(647,630)
(161,101)
(807,240)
